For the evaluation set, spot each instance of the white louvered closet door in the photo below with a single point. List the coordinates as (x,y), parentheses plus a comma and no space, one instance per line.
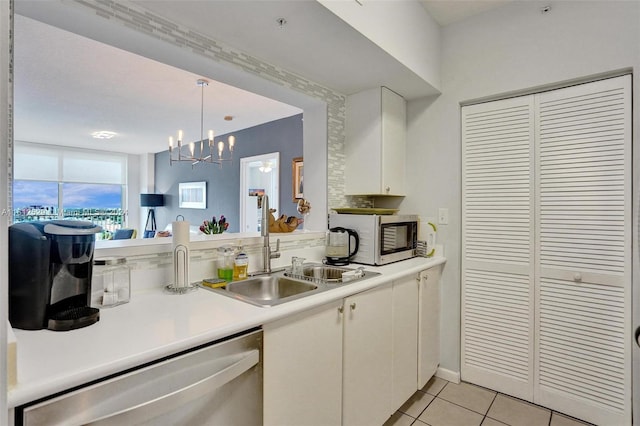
(583,304)
(497,246)
(546,250)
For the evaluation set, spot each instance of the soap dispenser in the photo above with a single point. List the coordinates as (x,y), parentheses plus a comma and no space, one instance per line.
(240,266)
(225,263)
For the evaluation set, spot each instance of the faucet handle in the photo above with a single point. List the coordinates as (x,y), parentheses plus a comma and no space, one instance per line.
(275,253)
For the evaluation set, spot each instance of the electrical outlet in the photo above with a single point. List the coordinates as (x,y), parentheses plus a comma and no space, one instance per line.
(443,216)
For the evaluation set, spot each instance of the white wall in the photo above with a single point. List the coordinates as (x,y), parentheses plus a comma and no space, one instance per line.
(402,29)
(513,48)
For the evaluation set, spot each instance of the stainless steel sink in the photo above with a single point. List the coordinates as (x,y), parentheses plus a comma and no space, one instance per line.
(277,288)
(329,274)
(324,272)
(268,290)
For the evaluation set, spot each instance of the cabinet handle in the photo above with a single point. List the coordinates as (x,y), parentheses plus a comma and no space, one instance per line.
(341,309)
(353,306)
(388,189)
(577,277)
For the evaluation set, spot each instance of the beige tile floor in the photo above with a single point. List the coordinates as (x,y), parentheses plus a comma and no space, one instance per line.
(443,403)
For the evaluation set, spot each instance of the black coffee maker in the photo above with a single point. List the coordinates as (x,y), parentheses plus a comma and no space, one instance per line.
(50,266)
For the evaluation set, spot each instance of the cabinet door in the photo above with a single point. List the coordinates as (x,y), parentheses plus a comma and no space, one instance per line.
(498,246)
(429,324)
(303,368)
(363,162)
(584,255)
(375,143)
(366,398)
(405,339)
(394,135)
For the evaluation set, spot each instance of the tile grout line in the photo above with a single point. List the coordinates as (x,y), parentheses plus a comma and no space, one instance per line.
(418,422)
(489,408)
(430,402)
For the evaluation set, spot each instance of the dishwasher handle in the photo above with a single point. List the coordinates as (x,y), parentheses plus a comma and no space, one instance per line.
(181,396)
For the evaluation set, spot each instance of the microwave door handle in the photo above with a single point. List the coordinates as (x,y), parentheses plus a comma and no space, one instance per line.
(185,394)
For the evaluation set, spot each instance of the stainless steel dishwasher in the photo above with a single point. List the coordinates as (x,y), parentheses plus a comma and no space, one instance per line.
(218,384)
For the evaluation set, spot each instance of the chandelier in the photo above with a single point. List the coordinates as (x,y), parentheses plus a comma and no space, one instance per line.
(207,146)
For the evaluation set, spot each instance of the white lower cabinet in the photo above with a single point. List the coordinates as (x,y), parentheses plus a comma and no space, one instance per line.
(429,324)
(405,338)
(303,368)
(367,358)
(352,362)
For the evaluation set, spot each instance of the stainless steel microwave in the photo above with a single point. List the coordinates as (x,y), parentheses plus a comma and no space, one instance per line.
(383,238)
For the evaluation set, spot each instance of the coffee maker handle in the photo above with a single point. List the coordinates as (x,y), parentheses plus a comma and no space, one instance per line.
(353,234)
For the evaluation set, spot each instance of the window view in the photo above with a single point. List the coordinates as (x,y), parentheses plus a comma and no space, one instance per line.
(98,203)
(70,184)
(34,201)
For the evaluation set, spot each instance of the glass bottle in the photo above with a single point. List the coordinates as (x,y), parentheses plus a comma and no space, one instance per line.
(114,274)
(240,266)
(225,263)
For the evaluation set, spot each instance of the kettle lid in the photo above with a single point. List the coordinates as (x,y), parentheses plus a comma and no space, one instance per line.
(338,229)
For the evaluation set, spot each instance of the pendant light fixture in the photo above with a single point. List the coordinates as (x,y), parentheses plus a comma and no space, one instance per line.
(207,146)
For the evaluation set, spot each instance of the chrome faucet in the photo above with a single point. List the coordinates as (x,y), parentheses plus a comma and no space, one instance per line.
(267,253)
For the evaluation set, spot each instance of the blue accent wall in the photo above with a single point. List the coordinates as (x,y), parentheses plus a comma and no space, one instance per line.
(223,184)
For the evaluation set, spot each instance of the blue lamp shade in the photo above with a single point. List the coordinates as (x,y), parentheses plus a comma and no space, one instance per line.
(151,200)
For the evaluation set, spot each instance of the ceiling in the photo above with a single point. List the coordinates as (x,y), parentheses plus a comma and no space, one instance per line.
(67,86)
(446,12)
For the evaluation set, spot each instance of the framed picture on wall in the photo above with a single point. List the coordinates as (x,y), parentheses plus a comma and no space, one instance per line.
(192,195)
(255,192)
(297,179)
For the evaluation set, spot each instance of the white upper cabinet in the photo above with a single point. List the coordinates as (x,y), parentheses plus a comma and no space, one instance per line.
(375,143)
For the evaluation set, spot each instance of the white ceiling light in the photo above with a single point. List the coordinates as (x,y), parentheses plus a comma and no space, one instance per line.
(266,167)
(103,134)
(201,158)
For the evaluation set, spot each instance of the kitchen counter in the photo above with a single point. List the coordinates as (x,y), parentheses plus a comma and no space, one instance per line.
(155,324)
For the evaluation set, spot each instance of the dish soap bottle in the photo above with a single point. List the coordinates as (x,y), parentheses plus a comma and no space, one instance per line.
(240,266)
(225,263)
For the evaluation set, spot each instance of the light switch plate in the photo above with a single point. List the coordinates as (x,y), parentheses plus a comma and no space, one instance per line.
(443,216)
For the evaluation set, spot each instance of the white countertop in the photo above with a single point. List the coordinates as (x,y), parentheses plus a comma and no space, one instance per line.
(155,324)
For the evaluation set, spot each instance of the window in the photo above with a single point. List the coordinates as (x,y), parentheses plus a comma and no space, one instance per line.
(67,183)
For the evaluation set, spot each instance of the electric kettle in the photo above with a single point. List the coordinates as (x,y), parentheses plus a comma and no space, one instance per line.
(338,249)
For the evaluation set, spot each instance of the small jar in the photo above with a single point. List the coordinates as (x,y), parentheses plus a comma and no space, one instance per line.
(297,266)
(114,274)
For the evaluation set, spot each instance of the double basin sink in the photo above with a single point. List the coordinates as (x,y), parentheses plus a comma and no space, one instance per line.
(280,287)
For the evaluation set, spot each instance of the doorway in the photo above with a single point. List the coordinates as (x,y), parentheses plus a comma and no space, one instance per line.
(259,174)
